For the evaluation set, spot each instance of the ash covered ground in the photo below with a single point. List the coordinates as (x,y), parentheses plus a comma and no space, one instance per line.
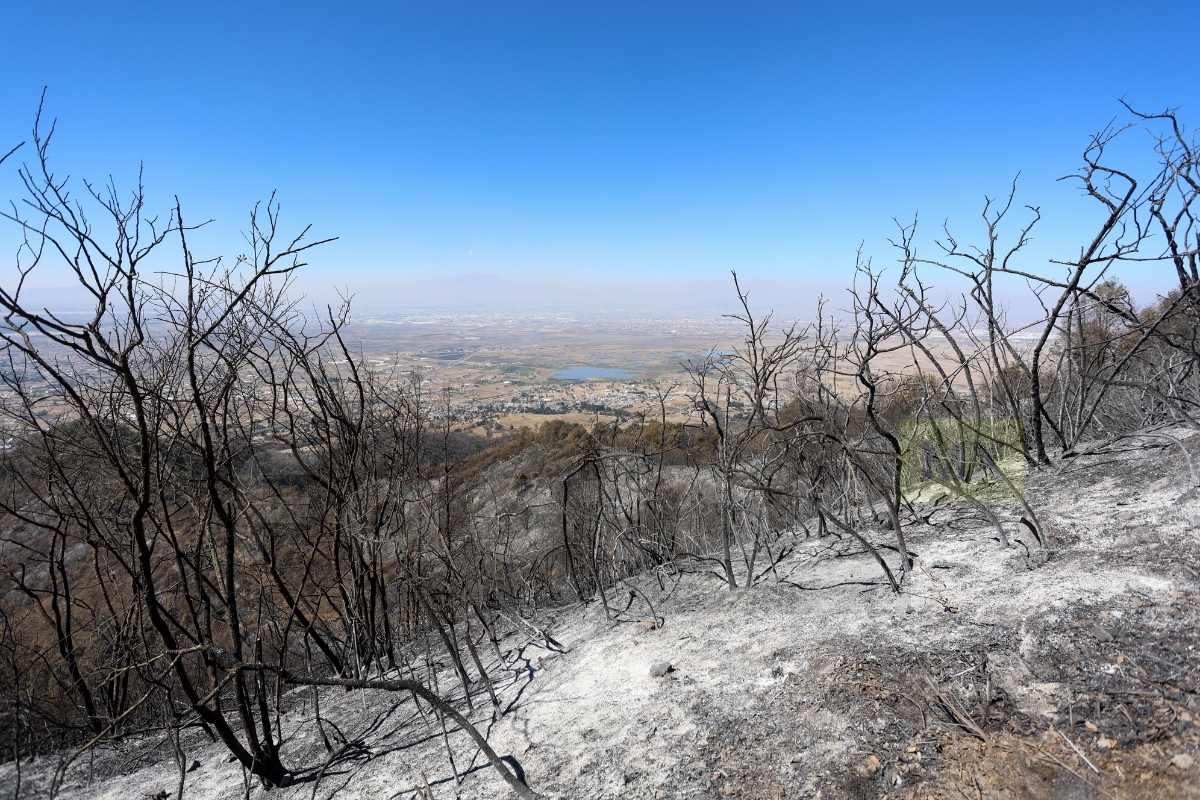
(996,673)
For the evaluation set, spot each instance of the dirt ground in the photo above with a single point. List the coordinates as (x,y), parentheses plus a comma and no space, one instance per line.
(996,673)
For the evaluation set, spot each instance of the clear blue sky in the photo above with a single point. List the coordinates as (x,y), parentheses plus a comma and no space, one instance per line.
(610,139)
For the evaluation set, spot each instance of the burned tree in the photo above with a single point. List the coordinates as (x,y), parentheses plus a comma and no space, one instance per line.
(211,493)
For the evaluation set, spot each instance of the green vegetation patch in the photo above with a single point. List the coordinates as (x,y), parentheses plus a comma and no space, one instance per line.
(952,461)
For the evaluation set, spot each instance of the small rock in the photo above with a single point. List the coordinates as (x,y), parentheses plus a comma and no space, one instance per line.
(729,789)
(1091,726)
(1182,760)
(660,794)
(868,767)
(644,625)
(1100,634)
(526,746)
(660,669)
(695,703)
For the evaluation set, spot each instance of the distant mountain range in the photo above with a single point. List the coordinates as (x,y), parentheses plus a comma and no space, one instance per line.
(491,292)
(484,292)
(58,299)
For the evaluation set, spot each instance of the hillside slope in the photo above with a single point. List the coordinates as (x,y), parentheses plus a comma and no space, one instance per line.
(996,673)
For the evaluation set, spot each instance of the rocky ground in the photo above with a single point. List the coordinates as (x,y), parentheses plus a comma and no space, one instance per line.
(996,673)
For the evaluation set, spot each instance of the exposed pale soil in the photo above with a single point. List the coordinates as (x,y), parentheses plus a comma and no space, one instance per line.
(1078,673)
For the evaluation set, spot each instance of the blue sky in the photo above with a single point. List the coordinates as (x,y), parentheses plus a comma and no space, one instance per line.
(621,141)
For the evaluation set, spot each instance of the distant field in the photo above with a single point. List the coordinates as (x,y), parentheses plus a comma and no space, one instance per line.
(522,371)
(516,370)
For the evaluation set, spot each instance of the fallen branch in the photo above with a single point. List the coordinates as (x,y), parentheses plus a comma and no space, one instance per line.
(551,642)
(403,685)
(1078,752)
(959,716)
